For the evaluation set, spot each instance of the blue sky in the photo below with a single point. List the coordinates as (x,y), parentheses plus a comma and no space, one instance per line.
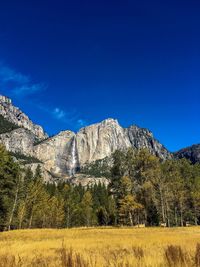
(68,64)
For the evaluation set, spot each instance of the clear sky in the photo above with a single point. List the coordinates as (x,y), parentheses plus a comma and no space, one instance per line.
(69,63)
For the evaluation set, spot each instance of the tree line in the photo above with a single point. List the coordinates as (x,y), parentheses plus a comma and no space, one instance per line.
(142,190)
(154,192)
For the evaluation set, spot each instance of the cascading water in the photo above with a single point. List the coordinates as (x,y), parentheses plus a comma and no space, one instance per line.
(73,163)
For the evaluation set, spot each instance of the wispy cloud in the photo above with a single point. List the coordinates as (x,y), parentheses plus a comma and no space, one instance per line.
(59,113)
(9,75)
(28,89)
(70,118)
(81,123)
(18,84)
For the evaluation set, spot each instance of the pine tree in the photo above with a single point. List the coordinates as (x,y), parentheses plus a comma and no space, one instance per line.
(24,196)
(9,183)
(86,206)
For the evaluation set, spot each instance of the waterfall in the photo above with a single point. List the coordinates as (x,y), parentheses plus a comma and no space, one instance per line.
(73,163)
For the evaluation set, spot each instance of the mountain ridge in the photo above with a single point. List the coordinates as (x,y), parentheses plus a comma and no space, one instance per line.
(65,153)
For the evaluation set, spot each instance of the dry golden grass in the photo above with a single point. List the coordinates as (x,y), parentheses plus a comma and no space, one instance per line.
(99,247)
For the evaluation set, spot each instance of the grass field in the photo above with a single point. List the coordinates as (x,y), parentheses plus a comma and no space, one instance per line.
(98,247)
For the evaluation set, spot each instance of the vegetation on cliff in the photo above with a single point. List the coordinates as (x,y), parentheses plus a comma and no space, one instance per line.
(6,126)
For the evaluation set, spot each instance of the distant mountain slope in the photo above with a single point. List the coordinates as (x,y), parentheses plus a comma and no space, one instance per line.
(192,153)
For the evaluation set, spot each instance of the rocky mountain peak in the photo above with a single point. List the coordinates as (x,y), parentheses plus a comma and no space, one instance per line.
(100,140)
(5,99)
(16,116)
(62,134)
(110,121)
(105,123)
(145,131)
(143,138)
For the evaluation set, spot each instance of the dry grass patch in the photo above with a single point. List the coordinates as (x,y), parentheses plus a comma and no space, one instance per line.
(101,247)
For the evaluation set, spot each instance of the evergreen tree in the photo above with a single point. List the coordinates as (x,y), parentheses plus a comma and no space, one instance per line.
(86,208)
(9,186)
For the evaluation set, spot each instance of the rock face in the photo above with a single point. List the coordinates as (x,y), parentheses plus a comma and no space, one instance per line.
(57,154)
(88,180)
(192,153)
(63,154)
(19,141)
(100,140)
(143,138)
(17,117)
(46,175)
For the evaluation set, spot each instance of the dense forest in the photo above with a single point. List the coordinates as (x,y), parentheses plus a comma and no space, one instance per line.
(143,190)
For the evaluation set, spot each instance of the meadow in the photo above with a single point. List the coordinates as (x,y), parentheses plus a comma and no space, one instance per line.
(98,247)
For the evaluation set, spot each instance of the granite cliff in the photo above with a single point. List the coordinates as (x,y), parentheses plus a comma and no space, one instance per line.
(65,153)
(17,117)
